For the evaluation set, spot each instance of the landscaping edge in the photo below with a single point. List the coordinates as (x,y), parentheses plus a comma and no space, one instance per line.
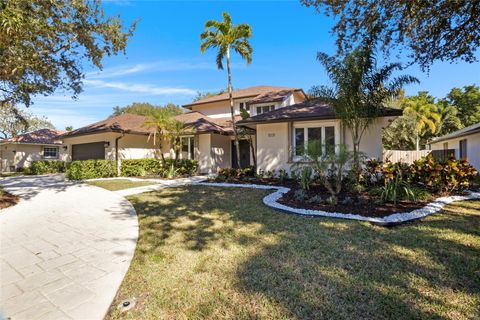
(390,220)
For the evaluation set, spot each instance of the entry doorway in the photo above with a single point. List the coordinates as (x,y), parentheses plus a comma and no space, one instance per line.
(244,154)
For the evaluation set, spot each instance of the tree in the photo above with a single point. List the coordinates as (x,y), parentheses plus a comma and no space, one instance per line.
(203,95)
(449,120)
(175,131)
(146,109)
(44,43)
(68,128)
(398,135)
(432,30)
(223,36)
(467,101)
(360,90)
(14,122)
(423,110)
(159,122)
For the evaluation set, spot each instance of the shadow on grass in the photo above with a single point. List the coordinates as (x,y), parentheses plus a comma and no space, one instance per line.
(325,268)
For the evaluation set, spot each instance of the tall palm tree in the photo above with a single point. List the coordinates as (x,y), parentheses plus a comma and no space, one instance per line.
(223,36)
(423,109)
(176,130)
(449,120)
(360,90)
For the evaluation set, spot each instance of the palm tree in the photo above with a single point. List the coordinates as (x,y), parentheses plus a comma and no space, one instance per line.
(360,91)
(449,121)
(176,130)
(423,109)
(223,36)
(159,121)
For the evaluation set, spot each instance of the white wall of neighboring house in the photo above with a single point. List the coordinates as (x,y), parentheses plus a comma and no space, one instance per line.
(473,147)
(21,155)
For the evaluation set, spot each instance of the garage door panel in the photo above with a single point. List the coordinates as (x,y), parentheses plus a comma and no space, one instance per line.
(88,151)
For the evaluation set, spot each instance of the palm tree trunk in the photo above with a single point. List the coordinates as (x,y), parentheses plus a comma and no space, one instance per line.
(418,142)
(232,111)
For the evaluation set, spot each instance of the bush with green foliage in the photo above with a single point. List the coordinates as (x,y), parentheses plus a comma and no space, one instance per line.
(228,174)
(90,169)
(182,166)
(442,176)
(140,167)
(45,166)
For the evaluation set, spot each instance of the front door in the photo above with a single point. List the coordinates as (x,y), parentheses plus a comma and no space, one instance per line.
(244,154)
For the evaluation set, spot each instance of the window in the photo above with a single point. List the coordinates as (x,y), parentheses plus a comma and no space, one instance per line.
(50,152)
(321,139)
(463,149)
(265,109)
(244,105)
(188,148)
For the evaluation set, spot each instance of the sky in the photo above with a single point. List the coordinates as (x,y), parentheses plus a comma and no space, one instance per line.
(163,62)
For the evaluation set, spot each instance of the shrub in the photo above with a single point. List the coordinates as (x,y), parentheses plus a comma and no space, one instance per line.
(45,166)
(305,178)
(441,176)
(90,169)
(232,173)
(316,199)
(282,175)
(182,166)
(299,195)
(141,167)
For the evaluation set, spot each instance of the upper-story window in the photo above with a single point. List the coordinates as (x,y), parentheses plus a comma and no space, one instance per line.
(264,109)
(244,105)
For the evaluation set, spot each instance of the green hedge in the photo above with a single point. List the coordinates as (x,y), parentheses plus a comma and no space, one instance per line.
(141,167)
(183,166)
(45,166)
(90,169)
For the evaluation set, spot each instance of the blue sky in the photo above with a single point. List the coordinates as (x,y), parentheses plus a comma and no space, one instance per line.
(163,62)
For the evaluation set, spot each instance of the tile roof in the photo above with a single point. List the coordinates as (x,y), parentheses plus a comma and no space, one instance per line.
(243,93)
(42,136)
(272,96)
(127,122)
(131,123)
(307,110)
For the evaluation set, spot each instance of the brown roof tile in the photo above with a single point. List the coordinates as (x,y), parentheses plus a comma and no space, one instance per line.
(307,110)
(242,93)
(42,136)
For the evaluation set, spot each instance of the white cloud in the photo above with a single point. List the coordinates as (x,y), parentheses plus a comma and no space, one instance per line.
(141,88)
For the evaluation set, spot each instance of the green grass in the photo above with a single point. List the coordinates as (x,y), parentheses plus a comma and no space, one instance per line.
(219,253)
(119,184)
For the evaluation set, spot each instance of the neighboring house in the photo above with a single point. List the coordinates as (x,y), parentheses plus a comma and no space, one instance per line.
(464,143)
(20,151)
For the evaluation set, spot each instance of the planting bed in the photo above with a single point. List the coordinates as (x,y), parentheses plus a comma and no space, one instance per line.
(7,199)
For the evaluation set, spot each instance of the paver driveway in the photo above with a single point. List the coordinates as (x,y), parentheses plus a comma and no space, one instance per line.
(65,249)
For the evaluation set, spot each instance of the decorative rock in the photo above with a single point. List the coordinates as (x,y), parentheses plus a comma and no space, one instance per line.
(271,201)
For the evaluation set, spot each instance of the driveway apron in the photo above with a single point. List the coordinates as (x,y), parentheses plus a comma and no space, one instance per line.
(65,248)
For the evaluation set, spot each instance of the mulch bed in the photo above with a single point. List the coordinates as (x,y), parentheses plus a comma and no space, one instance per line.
(363,204)
(7,199)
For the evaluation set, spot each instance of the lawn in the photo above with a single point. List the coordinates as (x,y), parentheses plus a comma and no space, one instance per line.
(210,252)
(119,184)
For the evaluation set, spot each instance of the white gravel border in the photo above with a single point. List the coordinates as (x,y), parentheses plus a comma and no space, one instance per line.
(271,201)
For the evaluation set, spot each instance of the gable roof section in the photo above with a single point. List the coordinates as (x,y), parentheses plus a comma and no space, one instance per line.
(459,133)
(251,92)
(307,110)
(42,136)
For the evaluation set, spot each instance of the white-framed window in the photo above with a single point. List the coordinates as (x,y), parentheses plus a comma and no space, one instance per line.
(188,147)
(324,136)
(264,109)
(244,105)
(50,152)
(462,144)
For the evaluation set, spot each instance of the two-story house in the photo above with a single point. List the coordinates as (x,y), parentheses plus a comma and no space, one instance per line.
(281,122)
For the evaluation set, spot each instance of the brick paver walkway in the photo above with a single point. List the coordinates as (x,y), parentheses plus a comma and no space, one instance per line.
(65,249)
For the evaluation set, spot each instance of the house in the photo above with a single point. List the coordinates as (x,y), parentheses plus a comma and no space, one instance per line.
(281,121)
(211,143)
(282,134)
(464,144)
(20,151)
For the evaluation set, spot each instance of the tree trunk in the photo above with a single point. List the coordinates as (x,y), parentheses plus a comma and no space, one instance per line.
(252,149)
(418,142)
(232,111)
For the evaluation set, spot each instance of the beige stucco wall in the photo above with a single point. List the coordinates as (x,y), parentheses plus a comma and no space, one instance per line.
(24,155)
(272,147)
(274,140)
(371,143)
(221,152)
(204,158)
(220,109)
(473,148)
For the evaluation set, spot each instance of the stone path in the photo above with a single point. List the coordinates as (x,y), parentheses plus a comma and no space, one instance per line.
(64,249)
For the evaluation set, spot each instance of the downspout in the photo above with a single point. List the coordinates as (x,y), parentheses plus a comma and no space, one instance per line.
(117,160)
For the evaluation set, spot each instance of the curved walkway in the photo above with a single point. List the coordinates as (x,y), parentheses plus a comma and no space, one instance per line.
(65,248)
